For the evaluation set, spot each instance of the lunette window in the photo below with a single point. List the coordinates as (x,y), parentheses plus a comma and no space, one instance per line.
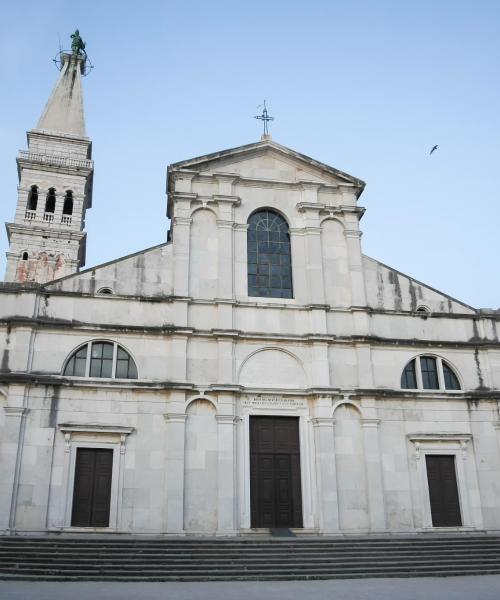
(429,373)
(101,359)
(269,256)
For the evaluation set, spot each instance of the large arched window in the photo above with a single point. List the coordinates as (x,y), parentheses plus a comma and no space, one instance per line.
(269,256)
(429,373)
(101,359)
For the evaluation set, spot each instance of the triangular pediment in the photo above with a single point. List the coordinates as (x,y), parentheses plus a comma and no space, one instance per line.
(268,160)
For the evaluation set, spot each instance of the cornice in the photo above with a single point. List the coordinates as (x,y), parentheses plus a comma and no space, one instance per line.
(46,162)
(310,337)
(310,392)
(53,232)
(94,428)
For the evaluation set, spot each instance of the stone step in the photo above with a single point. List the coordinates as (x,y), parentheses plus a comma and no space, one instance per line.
(245,547)
(241,541)
(91,559)
(196,565)
(288,577)
(283,555)
(309,573)
(230,568)
(245,555)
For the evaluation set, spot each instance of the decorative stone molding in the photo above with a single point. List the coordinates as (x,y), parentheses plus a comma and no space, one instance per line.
(424,440)
(370,423)
(68,429)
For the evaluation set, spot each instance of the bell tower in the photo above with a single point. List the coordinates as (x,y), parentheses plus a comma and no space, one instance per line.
(47,237)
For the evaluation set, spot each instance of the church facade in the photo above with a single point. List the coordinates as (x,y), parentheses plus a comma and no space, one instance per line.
(256,371)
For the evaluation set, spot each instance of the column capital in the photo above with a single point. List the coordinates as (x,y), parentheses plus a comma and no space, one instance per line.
(323,421)
(182,220)
(221,224)
(175,417)
(353,233)
(227,419)
(16,411)
(370,423)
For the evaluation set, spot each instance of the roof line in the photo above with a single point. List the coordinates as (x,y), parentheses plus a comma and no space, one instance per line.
(421,283)
(106,264)
(271,144)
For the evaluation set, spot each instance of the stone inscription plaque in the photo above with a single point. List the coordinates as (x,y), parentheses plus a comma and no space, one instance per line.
(273,402)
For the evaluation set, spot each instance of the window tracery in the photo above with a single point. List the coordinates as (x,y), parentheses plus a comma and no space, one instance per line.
(269,256)
(429,373)
(101,359)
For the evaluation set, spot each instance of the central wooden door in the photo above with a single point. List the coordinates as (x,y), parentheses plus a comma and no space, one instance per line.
(275,489)
(92,491)
(443,491)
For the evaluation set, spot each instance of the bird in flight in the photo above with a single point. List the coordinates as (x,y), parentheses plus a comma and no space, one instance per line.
(433,148)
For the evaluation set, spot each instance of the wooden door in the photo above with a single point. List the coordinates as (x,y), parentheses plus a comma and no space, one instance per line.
(275,489)
(443,490)
(92,490)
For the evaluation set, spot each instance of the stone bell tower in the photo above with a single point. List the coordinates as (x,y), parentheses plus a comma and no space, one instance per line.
(47,240)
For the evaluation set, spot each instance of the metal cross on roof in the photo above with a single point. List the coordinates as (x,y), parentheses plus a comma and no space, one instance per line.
(264,117)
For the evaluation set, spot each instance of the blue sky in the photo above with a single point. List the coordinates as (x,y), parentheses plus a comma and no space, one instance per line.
(367,87)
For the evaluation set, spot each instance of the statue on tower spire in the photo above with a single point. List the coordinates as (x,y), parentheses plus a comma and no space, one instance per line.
(77,44)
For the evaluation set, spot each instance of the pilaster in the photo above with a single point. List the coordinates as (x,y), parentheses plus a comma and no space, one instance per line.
(11,447)
(226,475)
(182,229)
(174,475)
(353,240)
(326,475)
(225,257)
(376,502)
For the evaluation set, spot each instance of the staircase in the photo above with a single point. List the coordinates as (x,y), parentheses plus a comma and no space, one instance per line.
(208,559)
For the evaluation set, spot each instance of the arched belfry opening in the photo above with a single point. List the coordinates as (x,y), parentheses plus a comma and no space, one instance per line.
(50,201)
(33,198)
(68,203)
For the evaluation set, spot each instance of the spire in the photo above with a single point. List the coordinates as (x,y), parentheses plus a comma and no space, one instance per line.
(47,238)
(64,110)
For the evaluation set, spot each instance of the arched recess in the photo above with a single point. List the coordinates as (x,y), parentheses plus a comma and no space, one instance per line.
(272,367)
(203,255)
(200,467)
(201,398)
(352,485)
(335,263)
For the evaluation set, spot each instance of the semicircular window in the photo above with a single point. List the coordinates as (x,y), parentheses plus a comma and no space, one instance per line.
(429,373)
(101,359)
(269,256)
